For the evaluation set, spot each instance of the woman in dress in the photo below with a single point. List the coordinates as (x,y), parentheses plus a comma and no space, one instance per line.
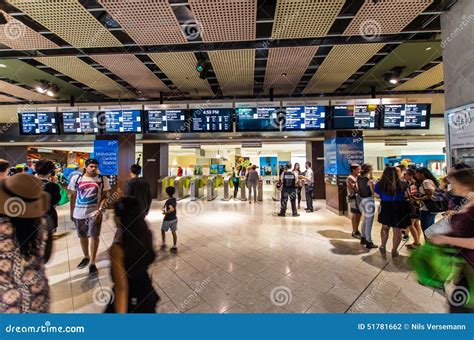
(394,209)
(131,254)
(25,245)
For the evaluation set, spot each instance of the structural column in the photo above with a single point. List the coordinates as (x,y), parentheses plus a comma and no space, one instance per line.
(14,154)
(155,164)
(315,154)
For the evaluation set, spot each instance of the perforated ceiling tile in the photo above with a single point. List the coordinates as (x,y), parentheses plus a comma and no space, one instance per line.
(226,20)
(129,68)
(78,70)
(69,20)
(234,71)
(304,18)
(147,22)
(341,63)
(6,99)
(21,92)
(286,66)
(180,68)
(423,81)
(385,16)
(18,36)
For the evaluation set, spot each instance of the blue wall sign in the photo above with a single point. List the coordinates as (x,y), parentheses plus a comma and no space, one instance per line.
(106,152)
(341,152)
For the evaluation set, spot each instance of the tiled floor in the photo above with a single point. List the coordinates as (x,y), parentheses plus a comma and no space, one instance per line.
(236,257)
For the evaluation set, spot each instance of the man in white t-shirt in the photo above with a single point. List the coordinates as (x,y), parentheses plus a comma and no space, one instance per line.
(89,193)
(308,187)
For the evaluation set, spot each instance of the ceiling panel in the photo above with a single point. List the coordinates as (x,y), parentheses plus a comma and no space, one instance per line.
(147,22)
(129,68)
(286,66)
(17,35)
(341,63)
(235,71)
(385,17)
(180,68)
(21,92)
(69,20)
(304,18)
(411,56)
(225,20)
(78,70)
(6,99)
(423,81)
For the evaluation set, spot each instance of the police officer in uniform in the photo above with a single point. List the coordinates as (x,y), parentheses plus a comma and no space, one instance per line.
(288,189)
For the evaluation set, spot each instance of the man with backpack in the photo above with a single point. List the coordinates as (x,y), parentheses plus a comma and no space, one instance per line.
(88,199)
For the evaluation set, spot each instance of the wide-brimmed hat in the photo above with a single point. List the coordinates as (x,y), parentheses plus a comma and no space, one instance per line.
(22,195)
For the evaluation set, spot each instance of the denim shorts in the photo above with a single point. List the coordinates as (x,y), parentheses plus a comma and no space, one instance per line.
(88,227)
(170,225)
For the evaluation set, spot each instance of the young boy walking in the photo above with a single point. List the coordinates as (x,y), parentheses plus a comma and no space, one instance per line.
(170,221)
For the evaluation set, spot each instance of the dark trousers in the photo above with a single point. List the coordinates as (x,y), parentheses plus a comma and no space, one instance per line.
(309,196)
(285,194)
(298,194)
(236,189)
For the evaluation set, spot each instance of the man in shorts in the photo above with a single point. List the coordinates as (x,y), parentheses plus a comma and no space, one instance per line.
(170,221)
(88,198)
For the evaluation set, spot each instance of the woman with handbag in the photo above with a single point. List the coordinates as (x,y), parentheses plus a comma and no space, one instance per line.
(461,236)
(427,189)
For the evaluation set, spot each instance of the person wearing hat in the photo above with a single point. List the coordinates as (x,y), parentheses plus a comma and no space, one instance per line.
(88,199)
(25,245)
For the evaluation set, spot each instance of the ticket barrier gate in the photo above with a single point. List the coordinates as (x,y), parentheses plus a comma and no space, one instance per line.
(196,187)
(243,189)
(260,190)
(163,183)
(211,190)
(228,193)
(181,186)
(276,194)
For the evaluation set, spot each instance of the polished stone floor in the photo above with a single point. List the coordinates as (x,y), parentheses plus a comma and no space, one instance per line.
(236,257)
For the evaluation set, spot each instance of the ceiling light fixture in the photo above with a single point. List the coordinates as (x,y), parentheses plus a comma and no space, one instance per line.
(3,65)
(393,77)
(202,67)
(429,48)
(47,88)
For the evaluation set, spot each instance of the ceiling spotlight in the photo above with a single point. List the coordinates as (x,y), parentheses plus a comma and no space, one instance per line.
(43,87)
(429,48)
(53,90)
(393,81)
(3,65)
(47,88)
(393,77)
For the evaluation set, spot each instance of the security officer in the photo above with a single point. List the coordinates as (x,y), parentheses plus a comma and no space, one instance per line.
(288,189)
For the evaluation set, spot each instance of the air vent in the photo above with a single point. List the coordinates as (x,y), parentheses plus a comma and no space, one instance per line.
(396,142)
(191,146)
(252,145)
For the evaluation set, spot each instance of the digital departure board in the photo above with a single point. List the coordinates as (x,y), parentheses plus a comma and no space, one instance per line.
(165,118)
(405,115)
(42,122)
(209,119)
(357,115)
(303,117)
(251,117)
(125,119)
(80,120)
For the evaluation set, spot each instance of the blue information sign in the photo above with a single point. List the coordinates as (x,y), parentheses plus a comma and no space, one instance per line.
(341,152)
(106,152)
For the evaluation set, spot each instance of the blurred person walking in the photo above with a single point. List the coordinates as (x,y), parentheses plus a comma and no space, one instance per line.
(139,189)
(414,203)
(45,169)
(252,182)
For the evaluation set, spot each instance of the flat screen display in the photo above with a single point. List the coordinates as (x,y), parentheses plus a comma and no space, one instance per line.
(38,123)
(406,116)
(82,122)
(166,120)
(355,116)
(305,118)
(208,119)
(123,121)
(256,119)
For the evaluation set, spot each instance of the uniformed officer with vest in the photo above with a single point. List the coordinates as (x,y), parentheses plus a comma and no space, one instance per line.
(288,190)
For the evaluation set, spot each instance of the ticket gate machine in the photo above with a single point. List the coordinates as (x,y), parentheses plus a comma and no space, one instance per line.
(211,190)
(260,190)
(181,186)
(243,189)
(228,193)
(196,187)
(163,183)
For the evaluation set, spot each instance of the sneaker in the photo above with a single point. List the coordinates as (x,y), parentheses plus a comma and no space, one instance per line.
(356,234)
(395,253)
(296,215)
(370,245)
(363,241)
(281,215)
(382,249)
(83,263)
(174,250)
(309,210)
(92,269)
(405,237)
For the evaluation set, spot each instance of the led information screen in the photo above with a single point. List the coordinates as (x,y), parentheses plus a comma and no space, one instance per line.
(417,115)
(82,120)
(38,123)
(394,116)
(206,119)
(125,119)
(165,118)
(356,115)
(410,115)
(251,117)
(305,116)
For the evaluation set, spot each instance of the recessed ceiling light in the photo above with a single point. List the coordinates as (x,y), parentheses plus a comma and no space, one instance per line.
(3,65)
(285,136)
(423,134)
(393,81)
(12,141)
(429,48)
